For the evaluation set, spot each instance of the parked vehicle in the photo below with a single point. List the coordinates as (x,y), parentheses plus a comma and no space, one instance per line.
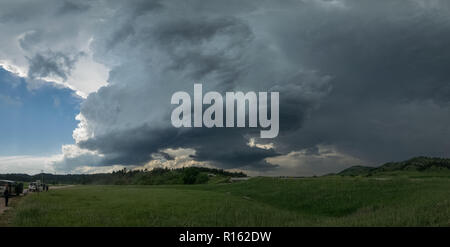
(14,187)
(35,186)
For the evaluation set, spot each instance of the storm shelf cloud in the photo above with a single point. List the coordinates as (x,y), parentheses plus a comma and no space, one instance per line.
(359,81)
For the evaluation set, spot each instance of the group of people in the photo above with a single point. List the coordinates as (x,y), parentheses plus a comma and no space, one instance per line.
(6,193)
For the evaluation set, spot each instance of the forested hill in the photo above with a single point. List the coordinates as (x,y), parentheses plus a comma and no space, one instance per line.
(191,175)
(418,164)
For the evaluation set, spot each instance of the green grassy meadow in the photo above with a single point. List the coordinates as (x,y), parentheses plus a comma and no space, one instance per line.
(411,199)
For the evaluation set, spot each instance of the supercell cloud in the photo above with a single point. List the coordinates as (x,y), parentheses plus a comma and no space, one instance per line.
(360,82)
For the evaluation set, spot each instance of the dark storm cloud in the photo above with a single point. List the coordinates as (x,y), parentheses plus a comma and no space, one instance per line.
(135,146)
(120,35)
(73,7)
(192,34)
(369,78)
(130,147)
(142,7)
(21,11)
(130,12)
(194,31)
(191,49)
(300,94)
(390,79)
(51,64)
(226,148)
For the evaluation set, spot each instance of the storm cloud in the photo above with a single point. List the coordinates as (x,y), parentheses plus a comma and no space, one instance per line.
(51,64)
(360,82)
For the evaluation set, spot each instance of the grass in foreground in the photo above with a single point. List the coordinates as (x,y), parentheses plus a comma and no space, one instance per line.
(324,201)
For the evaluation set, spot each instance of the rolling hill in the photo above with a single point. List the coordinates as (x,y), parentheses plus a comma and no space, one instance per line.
(417,164)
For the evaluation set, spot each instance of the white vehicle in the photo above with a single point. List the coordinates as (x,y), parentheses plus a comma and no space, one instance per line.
(35,186)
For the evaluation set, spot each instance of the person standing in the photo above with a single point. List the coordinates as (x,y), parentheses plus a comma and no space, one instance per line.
(6,195)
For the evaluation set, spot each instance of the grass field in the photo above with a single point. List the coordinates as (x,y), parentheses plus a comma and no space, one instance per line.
(406,200)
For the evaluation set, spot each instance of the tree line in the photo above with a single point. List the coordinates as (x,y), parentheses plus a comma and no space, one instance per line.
(188,175)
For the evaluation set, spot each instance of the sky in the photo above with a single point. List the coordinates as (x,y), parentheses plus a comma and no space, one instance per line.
(85,86)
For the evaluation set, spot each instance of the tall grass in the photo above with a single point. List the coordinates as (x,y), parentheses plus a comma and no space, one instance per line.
(324,201)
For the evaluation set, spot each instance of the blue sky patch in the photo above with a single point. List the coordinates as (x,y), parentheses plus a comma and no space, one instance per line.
(35,121)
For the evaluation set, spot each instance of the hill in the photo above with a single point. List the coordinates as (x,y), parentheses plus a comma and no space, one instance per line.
(417,164)
(356,170)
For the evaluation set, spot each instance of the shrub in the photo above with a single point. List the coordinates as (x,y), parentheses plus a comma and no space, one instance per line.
(202,178)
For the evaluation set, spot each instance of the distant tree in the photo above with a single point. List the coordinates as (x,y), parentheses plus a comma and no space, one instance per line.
(190,175)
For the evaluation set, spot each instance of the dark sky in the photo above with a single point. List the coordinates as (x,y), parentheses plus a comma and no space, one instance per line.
(360,81)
